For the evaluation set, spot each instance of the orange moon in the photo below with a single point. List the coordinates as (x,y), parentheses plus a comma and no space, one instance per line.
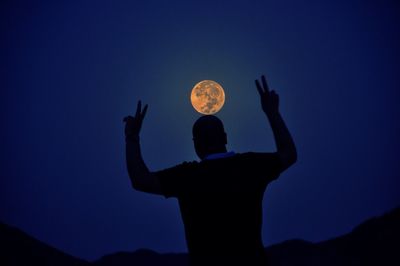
(207,97)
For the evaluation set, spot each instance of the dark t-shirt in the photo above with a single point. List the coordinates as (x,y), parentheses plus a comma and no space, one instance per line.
(221,206)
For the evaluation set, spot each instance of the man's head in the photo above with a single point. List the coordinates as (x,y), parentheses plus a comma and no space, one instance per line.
(209,136)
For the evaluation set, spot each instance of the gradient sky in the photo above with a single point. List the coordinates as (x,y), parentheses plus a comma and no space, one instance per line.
(71,70)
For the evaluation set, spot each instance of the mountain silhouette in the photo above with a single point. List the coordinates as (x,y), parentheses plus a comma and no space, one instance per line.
(374,242)
(144,257)
(18,248)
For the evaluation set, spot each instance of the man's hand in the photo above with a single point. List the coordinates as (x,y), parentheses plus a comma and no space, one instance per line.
(286,149)
(141,178)
(134,124)
(269,99)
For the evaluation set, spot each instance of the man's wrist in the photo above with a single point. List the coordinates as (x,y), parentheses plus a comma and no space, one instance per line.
(132,139)
(272,114)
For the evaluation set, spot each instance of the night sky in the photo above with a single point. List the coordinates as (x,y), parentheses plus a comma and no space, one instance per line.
(70,72)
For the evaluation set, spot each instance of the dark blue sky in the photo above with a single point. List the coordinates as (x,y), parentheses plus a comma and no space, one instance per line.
(71,71)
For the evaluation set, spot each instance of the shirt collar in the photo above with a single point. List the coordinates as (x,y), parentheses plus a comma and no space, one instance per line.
(219,155)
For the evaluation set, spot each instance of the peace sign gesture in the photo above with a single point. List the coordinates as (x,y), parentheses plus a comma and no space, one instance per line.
(134,124)
(269,99)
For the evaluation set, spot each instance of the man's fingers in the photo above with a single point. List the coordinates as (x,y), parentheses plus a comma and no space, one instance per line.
(139,115)
(138,109)
(264,81)
(127,118)
(260,90)
(144,111)
(274,95)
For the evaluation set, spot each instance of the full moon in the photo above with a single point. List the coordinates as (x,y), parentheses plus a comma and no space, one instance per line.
(207,97)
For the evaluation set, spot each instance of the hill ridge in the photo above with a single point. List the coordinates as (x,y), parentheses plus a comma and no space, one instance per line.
(372,242)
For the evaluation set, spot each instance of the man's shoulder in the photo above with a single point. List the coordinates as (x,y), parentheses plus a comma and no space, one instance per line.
(186,165)
(255,155)
(260,159)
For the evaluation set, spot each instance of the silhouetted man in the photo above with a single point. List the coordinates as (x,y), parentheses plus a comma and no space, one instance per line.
(220,197)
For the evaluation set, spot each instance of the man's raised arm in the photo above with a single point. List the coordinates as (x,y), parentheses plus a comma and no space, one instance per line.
(141,178)
(270,104)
